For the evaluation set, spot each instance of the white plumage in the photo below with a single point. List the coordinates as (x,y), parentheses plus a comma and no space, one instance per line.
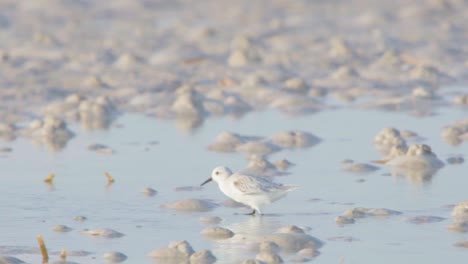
(250,190)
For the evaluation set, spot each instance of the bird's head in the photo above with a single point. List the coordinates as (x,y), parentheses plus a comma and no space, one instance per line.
(219,174)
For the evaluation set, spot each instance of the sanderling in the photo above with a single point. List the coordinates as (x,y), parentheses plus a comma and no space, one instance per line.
(253,191)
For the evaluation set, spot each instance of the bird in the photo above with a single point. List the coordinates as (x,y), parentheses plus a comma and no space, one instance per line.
(253,191)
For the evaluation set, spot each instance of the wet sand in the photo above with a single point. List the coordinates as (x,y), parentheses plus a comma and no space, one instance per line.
(80,189)
(131,104)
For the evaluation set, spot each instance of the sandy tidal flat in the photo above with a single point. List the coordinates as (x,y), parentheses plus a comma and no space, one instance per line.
(113,113)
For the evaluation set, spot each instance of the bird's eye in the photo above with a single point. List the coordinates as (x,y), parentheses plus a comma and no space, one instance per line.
(217,172)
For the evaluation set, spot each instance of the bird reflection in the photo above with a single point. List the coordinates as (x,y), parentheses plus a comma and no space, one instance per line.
(248,234)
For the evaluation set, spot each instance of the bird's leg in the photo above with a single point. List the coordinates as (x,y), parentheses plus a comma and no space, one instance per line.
(252,213)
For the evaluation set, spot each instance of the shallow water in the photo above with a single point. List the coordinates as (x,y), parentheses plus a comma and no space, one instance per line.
(64,63)
(31,207)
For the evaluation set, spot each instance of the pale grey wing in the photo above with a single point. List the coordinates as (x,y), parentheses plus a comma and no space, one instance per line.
(254,185)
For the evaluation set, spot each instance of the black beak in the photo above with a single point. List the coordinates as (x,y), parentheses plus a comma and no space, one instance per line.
(207,181)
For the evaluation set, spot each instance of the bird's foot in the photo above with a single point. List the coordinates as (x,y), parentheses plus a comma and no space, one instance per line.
(252,213)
